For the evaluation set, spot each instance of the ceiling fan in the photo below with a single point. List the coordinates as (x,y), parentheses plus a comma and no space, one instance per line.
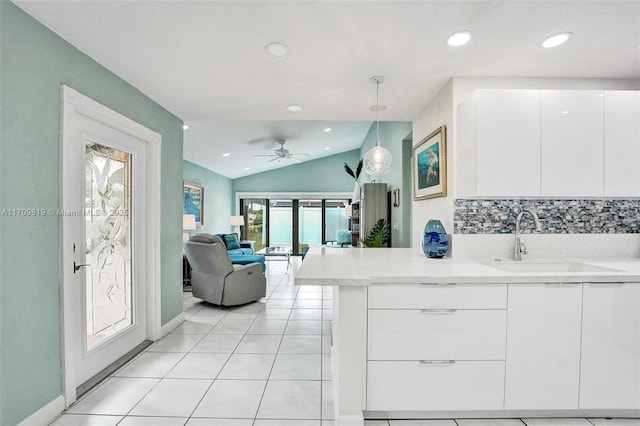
(283,153)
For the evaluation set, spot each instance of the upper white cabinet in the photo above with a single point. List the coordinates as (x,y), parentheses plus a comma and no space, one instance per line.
(572,143)
(610,361)
(622,143)
(549,143)
(508,138)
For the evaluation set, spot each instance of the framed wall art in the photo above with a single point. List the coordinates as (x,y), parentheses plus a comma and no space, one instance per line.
(429,168)
(193,200)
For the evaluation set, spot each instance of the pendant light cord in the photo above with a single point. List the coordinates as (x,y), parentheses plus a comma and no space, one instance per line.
(377,113)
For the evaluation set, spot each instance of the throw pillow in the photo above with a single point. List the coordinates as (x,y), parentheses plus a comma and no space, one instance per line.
(204,238)
(231,241)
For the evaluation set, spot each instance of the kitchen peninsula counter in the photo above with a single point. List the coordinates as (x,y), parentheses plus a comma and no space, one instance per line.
(427,338)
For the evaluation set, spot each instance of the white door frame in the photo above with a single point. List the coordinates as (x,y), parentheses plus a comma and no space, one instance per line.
(73,104)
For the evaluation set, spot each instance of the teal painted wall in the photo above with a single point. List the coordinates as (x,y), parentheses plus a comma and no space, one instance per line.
(217,198)
(322,175)
(34,62)
(392,134)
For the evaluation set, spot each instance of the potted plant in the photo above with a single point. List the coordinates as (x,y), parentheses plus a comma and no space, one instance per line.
(379,235)
(355,175)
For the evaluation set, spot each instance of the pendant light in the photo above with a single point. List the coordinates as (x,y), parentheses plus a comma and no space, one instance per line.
(377,161)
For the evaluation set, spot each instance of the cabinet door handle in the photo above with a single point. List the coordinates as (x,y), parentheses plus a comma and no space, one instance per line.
(438,311)
(605,284)
(437,284)
(561,284)
(448,362)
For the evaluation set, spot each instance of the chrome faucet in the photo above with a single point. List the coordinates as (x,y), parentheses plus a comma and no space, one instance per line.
(520,248)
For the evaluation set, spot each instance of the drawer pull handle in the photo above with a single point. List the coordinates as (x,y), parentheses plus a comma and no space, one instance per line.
(610,284)
(438,311)
(424,361)
(437,284)
(563,284)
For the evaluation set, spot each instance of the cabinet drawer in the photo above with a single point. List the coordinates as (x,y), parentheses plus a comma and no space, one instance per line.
(416,386)
(437,334)
(426,296)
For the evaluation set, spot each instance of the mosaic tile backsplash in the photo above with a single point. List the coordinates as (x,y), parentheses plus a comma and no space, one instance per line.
(593,216)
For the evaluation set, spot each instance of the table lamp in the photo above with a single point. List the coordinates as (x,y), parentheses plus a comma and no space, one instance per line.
(237,221)
(188,224)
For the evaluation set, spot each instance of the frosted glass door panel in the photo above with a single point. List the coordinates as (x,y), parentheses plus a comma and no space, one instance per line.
(108,248)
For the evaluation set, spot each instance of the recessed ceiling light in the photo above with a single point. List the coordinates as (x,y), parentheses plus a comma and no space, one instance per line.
(328,129)
(185,126)
(459,38)
(247,168)
(226,154)
(378,107)
(277,50)
(556,40)
(294,108)
(328,148)
(565,112)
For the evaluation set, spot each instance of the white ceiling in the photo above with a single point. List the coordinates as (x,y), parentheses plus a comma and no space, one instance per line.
(205,60)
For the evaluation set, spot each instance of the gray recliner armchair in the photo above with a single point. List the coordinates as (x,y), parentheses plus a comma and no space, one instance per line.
(216,280)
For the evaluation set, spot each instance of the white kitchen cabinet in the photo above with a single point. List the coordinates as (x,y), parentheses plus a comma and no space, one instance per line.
(437,334)
(436,347)
(572,127)
(622,143)
(438,296)
(508,142)
(418,386)
(543,346)
(610,362)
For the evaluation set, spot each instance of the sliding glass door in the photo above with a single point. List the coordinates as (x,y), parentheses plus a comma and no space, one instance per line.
(309,223)
(294,223)
(336,222)
(255,214)
(280,223)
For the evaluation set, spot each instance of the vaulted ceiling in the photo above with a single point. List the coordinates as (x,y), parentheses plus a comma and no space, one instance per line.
(205,61)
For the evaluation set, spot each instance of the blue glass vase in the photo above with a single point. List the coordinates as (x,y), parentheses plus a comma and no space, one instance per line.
(435,241)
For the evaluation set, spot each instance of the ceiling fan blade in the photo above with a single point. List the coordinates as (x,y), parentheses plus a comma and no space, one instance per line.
(303,154)
(265,155)
(277,158)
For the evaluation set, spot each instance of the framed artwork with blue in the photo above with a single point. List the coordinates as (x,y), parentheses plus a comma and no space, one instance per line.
(429,167)
(193,201)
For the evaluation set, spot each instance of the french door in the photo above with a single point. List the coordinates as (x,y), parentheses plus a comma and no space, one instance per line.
(104,243)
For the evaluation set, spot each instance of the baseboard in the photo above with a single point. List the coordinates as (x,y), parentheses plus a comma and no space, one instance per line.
(46,414)
(172,324)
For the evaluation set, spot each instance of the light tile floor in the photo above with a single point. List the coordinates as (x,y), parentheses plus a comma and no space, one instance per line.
(263,364)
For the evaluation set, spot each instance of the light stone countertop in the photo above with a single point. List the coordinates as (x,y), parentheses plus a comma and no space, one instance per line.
(361,267)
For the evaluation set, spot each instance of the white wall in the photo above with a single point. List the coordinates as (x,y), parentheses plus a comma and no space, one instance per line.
(442,110)
(438,112)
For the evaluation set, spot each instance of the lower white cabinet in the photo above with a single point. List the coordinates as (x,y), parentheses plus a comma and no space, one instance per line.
(437,334)
(610,370)
(418,386)
(543,346)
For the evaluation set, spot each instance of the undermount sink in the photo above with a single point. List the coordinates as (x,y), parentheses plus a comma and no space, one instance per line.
(542,267)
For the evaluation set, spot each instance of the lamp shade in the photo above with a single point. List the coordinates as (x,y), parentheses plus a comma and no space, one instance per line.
(188,222)
(237,220)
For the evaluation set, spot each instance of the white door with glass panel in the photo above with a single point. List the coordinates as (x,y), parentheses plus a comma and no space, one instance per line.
(104,248)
